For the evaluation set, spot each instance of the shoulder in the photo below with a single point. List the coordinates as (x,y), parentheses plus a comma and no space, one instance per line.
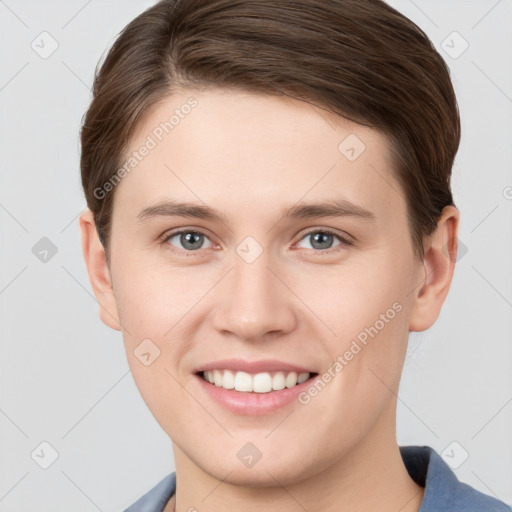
(443,491)
(157,497)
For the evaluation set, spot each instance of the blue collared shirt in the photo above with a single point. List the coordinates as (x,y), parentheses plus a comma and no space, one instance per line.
(443,491)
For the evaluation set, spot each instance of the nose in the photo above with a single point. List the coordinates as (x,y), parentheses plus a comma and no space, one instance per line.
(254,301)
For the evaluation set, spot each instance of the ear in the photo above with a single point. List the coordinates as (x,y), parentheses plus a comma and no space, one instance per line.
(438,267)
(99,273)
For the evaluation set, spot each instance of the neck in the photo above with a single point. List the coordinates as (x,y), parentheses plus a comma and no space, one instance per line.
(371,476)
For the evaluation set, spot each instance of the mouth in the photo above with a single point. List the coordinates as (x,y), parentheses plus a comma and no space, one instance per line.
(262,382)
(253,388)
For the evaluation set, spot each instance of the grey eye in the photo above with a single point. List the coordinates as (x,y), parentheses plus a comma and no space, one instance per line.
(320,240)
(189,240)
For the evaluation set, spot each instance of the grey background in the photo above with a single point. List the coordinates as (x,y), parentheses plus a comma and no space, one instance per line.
(64,378)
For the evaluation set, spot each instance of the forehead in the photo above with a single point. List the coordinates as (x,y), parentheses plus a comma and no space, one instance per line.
(215,145)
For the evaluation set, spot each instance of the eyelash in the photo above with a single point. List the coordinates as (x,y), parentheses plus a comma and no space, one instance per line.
(344,241)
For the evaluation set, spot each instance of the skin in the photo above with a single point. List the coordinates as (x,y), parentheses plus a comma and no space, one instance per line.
(250,157)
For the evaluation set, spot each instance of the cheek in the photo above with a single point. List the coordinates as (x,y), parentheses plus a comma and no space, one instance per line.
(157,301)
(152,297)
(352,297)
(366,307)
(153,306)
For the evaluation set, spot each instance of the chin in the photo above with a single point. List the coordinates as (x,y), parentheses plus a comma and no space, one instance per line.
(277,465)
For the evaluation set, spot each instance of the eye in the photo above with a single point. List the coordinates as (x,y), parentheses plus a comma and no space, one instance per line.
(189,240)
(321,240)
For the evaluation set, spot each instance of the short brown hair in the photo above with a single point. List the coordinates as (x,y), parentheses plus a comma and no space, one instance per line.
(360,59)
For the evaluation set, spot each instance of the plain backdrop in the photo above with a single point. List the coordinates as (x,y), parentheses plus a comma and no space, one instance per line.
(64,378)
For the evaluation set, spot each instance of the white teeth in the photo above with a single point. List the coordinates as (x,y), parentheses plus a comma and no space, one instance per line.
(259,383)
(228,380)
(217,378)
(291,380)
(278,381)
(303,377)
(262,383)
(243,381)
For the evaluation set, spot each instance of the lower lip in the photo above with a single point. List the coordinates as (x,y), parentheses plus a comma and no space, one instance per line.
(253,403)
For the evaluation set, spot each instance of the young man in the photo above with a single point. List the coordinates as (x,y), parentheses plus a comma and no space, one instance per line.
(270,215)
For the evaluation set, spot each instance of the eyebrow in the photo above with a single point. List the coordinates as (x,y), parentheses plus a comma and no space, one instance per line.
(329,208)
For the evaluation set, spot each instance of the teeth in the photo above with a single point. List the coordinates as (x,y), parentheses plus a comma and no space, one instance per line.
(217,378)
(228,381)
(262,383)
(291,380)
(303,377)
(278,381)
(243,381)
(259,383)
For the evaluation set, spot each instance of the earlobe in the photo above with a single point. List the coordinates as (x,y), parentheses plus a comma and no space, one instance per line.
(99,273)
(438,267)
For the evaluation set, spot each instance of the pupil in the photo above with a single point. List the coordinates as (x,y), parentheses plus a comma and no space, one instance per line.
(189,238)
(321,239)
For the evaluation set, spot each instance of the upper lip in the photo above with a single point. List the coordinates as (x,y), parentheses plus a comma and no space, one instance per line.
(267,365)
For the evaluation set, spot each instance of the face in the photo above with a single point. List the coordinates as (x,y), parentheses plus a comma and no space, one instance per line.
(256,283)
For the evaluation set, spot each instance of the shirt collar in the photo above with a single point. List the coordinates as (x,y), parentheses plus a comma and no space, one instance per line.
(443,491)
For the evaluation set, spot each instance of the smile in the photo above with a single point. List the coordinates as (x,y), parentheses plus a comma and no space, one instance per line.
(263,382)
